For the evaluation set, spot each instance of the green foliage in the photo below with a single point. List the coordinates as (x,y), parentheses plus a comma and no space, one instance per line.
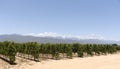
(75,47)
(80,51)
(55,51)
(69,51)
(10,49)
(11,52)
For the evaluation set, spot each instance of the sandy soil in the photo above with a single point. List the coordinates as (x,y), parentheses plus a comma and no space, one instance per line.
(96,62)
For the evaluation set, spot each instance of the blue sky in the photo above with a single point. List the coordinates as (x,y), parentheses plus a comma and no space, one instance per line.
(76,17)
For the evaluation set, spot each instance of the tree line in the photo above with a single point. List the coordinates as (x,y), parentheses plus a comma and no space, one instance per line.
(35,51)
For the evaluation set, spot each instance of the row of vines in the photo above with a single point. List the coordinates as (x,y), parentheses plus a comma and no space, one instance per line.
(35,51)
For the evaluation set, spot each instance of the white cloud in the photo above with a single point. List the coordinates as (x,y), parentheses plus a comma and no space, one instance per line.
(46,34)
(52,34)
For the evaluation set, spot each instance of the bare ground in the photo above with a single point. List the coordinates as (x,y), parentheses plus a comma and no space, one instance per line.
(95,62)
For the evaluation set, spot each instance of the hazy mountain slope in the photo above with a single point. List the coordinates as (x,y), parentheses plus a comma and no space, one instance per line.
(21,38)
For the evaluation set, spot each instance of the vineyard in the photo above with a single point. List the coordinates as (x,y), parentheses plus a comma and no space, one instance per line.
(35,51)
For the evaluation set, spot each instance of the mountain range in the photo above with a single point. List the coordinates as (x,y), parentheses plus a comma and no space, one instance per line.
(28,38)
